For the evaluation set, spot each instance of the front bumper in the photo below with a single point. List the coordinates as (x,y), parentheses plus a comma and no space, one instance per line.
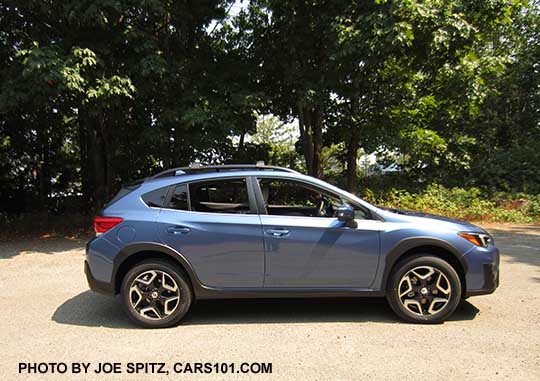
(483,271)
(491,281)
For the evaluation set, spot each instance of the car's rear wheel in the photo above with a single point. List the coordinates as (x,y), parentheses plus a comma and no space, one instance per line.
(424,289)
(156,293)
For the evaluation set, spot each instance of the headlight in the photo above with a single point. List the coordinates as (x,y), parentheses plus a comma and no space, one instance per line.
(478,239)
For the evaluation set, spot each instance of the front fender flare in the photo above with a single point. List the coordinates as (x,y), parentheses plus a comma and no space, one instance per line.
(410,243)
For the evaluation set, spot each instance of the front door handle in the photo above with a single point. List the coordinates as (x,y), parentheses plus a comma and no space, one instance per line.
(277,232)
(178,230)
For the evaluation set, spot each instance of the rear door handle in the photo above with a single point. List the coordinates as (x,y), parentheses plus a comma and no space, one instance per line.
(178,230)
(277,232)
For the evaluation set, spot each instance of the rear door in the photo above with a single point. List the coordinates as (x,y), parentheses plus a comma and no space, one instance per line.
(306,246)
(214,224)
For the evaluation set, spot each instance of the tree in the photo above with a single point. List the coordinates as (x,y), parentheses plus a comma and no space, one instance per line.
(413,74)
(93,94)
(508,126)
(292,43)
(137,86)
(280,139)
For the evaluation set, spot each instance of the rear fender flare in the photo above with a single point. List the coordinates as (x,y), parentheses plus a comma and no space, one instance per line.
(138,247)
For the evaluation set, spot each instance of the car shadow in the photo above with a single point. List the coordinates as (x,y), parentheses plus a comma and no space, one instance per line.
(94,310)
(39,246)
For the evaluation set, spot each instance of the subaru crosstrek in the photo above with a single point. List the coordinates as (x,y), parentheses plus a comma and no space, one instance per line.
(255,231)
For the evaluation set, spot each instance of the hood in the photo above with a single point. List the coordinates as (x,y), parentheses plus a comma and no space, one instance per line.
(411,216)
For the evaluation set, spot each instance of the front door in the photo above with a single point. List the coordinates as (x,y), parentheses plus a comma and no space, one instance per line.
(213,223)
(306,246)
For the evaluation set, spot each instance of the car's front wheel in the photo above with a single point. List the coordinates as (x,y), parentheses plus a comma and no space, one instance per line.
(424,289)
(156,294)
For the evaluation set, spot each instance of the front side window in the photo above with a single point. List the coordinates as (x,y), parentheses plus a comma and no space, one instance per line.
(291,198)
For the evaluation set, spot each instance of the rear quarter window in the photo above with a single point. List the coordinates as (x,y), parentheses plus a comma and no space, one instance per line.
(155,198)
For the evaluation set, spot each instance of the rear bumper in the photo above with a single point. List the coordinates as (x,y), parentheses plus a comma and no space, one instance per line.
(96,285)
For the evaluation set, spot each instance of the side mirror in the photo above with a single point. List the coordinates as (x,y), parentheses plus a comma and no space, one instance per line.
(345,213)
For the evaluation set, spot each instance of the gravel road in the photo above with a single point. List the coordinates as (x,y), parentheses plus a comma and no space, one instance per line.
(48,315)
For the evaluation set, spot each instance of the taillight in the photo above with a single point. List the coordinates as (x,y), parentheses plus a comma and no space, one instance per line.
(102,224)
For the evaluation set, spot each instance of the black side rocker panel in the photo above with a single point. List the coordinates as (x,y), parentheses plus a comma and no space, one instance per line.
(202,291)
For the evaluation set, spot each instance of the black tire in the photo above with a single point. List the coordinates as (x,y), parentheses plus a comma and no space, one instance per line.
(424,262)
(184,293)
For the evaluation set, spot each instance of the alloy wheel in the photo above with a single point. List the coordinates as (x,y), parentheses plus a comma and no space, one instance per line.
(424,290)
(154,294)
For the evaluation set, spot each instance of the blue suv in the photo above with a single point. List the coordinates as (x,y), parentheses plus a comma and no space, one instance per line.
(255,231)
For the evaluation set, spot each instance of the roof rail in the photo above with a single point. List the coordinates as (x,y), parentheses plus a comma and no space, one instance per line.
(199,168)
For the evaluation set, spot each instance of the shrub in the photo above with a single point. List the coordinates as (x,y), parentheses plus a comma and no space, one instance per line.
(468,204)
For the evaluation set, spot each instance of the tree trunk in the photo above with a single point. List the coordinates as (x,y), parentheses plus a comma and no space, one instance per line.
(94,175)
(305,136)
(177,148)
(352,149)
(317,143)
(43,167)
(182,152)
(108,153)
(310,124)
(241,142)
(86,181)
(98,167)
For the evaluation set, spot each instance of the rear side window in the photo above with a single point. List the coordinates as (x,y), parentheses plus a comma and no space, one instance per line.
(217,196)
(155,198)
(220,196)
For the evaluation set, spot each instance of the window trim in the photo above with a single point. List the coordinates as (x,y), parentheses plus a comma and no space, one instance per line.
(170,193)
(262,206)
(253,209)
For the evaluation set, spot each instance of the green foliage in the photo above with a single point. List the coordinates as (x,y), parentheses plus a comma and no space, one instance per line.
(468,204)
(93,94)
(279,138)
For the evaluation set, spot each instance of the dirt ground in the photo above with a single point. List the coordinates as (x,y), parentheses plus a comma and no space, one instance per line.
(48,315)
